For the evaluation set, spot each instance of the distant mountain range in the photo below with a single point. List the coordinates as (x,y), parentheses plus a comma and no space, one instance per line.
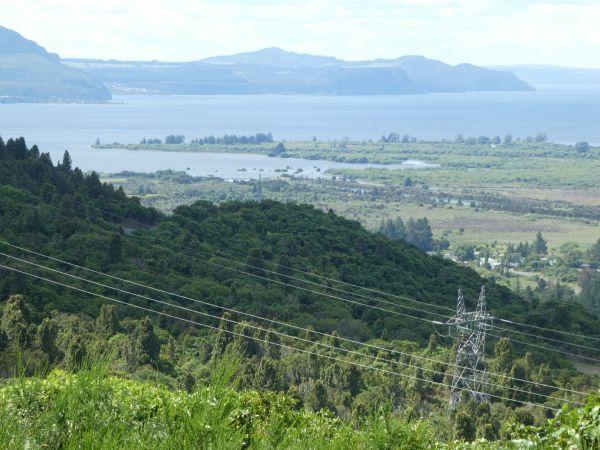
(28,73)
(276,71)
(542,74)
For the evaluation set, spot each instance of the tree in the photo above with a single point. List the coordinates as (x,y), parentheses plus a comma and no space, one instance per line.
(508,139)
(594,255)
(582,147)
(465,252)
(223,336)
(317,396)
(76,352)
(464,426)
(15,321)
(114,253)
(503,356)
(273,348)
(3,340)
(244,342)
(46,339)
(277,150)
(147,342)
(418,232)
(67,162)
(174,139)
(267,375)
(540,245)
(255,263)
(590,288)
(107,322)
(433,343)
(393,229)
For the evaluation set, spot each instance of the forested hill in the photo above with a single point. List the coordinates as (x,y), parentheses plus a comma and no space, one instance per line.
(59,211)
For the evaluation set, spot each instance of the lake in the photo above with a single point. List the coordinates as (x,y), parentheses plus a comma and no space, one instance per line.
(222,165)
(565,113)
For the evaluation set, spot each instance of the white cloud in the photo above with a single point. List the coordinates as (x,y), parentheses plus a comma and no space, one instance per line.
(479,31)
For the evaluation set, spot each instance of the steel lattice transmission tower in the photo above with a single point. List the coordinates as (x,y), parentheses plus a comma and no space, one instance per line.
(469,372)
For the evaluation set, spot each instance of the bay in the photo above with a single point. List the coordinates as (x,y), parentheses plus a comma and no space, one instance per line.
(567,113)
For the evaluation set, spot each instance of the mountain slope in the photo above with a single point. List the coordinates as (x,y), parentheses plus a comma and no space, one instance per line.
(432,75)
(28,73)
(276,71)
(273,56)
(541,74)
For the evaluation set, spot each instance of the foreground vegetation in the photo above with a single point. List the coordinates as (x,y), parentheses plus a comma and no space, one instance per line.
(93,410)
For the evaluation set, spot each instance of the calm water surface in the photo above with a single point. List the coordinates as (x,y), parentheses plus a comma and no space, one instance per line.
(565,113)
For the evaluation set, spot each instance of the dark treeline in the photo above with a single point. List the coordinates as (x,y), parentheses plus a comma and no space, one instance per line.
(231,139)
(227,139)
(29,170)
(581,147)
(171,139)
(395,137)
(417,232)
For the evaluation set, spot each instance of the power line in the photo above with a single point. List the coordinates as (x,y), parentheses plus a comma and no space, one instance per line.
(322,344)
(316,275)
(574,355)
(316,292)
(322,293)
(324,286)
(331,279)
(263,340)
(252,315)
(547,338)
(230,259)
(547,329)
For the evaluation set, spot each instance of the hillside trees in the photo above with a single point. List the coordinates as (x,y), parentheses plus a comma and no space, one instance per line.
(417,232)
(81,219)
(15,321)
(539,244)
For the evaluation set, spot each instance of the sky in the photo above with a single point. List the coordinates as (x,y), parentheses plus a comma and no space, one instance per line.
(484,32)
